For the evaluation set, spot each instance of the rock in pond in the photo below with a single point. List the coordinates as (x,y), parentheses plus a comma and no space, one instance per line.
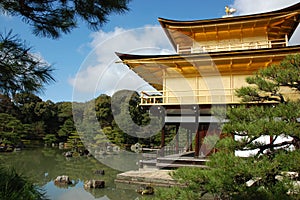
(65,180)
(145,190)
(68,154)
(94,184)
(100,172)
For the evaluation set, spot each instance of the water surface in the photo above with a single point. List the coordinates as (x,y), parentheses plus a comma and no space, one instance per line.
(42,165)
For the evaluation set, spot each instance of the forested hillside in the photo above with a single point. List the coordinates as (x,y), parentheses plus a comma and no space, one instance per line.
(28,117)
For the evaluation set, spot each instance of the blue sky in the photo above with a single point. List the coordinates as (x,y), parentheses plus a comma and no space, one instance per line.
(80,57)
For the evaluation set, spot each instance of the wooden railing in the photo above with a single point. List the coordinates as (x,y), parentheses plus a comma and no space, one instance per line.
(231,47)
(149,154)
(215,96)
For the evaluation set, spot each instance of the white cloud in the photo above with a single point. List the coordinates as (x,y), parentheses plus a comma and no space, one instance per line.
(296,37)
(245,7)
(100,73)
(257,6)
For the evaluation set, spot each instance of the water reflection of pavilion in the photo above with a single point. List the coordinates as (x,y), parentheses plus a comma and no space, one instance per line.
(213,59)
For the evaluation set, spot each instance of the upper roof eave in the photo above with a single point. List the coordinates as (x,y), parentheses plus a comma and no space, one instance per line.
(124,56)
(177,24)
(150,67)
(165,22)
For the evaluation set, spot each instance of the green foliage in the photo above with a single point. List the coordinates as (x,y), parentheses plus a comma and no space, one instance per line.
(249,94)
(38,129)
(33,118)
(44,110)
(175,193)
(14,186)
(7,106)
(20,70)
(21,99)
(11,129)
(263,174)
(55,122)
(41,115)
(49,139)
(120,117)
(51,18)
(64,111)
(286,73)
(266,83)
(103,110)
(101,139)
(74,141)
(227,176)
(248,123)
(263,84)
(64,120)
(67,128)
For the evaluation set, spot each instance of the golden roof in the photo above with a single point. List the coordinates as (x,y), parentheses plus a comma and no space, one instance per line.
(276,24)
(152,68)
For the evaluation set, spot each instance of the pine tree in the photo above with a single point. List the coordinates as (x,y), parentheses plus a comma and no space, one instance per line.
(21,70)
(52,17)
(270,170)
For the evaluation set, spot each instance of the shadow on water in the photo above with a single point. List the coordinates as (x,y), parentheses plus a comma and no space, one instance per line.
(42,165)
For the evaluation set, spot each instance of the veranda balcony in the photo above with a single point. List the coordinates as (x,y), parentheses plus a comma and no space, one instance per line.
(216,96)
(198,48)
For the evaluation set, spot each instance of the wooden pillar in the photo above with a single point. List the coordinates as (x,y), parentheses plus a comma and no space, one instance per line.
(177,140)
(197,138)
(188,140)
(162,141)
(202,135)
(271,139)
(191,140)
(161,114)
(197,143)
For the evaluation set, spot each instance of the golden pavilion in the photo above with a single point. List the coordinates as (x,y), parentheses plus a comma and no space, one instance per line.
(213,58)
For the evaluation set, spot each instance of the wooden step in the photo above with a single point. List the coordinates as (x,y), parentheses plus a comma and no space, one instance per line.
(174,165)
(175,162)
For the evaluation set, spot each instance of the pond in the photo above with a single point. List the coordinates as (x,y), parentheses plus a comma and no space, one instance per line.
(42,165)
